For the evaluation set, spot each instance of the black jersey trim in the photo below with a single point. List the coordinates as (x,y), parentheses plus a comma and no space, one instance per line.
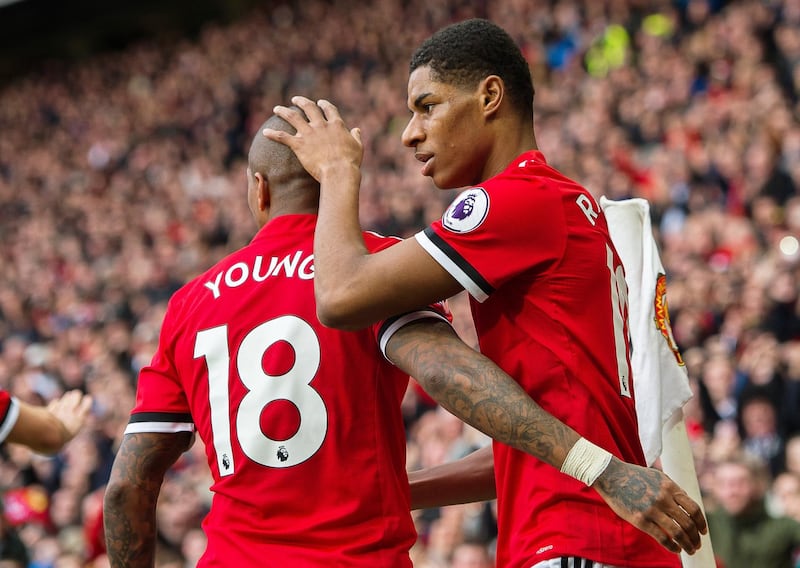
(459,261)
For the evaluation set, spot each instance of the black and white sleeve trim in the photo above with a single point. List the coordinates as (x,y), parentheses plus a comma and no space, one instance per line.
(454,264)
(12,414)
(160,422)
(391,325)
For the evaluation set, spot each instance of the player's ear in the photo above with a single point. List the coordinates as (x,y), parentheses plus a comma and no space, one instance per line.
(492,90)
(262,189)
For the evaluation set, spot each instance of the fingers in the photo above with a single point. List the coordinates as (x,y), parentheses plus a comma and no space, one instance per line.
(329,109)
(313,111)
(682,530)
(657,532)
(681,520)
(84,407)
(670,534)
(68,400)
(278,136)
(693,510)
(72,409)
(293,117)
(651,501)
(322,110)
(314,114)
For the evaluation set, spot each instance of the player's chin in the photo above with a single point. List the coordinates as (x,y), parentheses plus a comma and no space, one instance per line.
(446,180)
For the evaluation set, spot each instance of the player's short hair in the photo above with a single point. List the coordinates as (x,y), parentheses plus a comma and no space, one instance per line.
(275,161)
(466,52)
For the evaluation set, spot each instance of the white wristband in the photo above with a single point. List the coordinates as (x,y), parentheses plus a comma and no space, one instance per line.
(586,461)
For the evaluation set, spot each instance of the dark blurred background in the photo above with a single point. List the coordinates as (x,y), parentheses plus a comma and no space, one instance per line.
(43,32)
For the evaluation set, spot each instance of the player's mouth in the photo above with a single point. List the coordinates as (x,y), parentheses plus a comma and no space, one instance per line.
(427,159)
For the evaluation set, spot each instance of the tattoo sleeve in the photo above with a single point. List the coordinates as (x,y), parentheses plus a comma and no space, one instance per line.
(473,388)
(476,390)
(129,505)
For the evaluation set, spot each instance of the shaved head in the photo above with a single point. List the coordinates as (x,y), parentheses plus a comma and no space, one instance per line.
(278,164)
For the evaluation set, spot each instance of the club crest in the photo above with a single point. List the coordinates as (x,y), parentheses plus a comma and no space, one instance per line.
(662,317)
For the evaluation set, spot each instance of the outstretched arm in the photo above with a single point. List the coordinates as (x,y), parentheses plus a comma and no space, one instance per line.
(47,429)
(353,288)
(476,390)
(129,505)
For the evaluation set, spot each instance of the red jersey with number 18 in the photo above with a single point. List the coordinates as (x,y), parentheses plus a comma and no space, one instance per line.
(301,423)
(549,301)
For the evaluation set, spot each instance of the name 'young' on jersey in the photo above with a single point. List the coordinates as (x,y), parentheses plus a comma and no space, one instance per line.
(301,423)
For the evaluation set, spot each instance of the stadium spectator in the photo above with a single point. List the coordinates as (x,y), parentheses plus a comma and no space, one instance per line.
(742,532)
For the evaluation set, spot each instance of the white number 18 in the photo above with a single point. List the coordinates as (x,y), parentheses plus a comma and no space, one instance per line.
(262,389)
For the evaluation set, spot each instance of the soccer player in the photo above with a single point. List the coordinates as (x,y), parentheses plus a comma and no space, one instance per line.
(547,291)
(301,423)
(44,429)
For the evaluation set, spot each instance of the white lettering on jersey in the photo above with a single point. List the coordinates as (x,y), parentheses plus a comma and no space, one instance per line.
(257,268)
(306,271)
(287,265)
(585,204)
(291,265)
(234,282)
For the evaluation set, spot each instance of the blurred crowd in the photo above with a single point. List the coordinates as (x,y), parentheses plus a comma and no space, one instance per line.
(123,176)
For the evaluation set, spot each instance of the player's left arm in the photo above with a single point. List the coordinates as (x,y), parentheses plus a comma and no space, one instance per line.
(129,504)
(476,390)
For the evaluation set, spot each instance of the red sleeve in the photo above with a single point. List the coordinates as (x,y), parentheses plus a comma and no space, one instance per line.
(383,330)
(9,412)
(161,404)
(491,234)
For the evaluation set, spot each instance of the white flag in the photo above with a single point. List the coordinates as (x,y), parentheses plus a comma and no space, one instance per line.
(660,381)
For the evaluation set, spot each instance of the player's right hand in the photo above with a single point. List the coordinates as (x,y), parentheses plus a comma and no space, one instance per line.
(323,144)
(72,410)
(648,499)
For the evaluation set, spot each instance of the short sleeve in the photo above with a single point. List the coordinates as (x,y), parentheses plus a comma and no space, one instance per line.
(161,404)
(491,234)
(387,328)
(384,330)
(9,413)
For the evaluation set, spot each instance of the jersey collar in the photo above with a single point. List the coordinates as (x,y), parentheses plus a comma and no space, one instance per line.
(287,224)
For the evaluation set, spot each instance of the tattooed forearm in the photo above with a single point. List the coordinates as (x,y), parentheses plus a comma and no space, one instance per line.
(129,506)
(476,390)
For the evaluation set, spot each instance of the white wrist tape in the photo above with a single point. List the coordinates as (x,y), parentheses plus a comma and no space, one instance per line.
(586,461)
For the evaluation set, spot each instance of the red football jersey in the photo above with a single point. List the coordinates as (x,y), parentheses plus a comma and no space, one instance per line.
(549,300)
(9,412)
(302,423)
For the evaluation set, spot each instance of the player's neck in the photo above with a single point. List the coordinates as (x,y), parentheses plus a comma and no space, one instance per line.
(294,209)
(506,149)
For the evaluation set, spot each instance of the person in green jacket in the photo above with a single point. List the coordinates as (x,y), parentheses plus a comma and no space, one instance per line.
(744,535)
